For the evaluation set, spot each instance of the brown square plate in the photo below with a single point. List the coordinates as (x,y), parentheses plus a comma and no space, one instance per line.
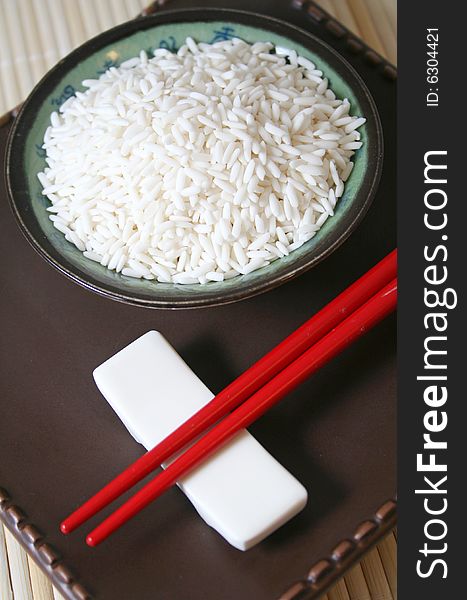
(60,441)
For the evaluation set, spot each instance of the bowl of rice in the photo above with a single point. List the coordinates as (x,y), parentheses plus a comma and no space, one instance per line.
(194,158)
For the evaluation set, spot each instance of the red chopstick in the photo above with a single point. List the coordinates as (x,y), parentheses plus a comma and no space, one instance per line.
(353,327)
(241,388)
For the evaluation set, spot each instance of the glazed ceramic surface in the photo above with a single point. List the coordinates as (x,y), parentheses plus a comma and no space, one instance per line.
(26,157)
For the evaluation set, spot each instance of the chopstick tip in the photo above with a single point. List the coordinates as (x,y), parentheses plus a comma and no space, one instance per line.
(64,528)
(90,541)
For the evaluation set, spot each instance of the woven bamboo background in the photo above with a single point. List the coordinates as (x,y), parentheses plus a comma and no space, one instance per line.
(34,34)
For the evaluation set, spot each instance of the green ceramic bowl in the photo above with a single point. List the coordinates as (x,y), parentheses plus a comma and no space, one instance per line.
(25,157)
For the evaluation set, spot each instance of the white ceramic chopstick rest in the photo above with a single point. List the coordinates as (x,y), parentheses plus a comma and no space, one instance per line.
(241,491)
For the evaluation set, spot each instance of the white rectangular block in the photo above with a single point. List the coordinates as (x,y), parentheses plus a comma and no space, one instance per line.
(241,490)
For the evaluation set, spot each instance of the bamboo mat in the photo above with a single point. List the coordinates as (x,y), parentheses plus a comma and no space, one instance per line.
(49,29)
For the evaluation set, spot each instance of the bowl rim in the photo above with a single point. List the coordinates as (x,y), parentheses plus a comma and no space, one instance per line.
(145,22)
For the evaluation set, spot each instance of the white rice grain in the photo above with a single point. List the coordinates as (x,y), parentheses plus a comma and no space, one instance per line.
(201,165)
